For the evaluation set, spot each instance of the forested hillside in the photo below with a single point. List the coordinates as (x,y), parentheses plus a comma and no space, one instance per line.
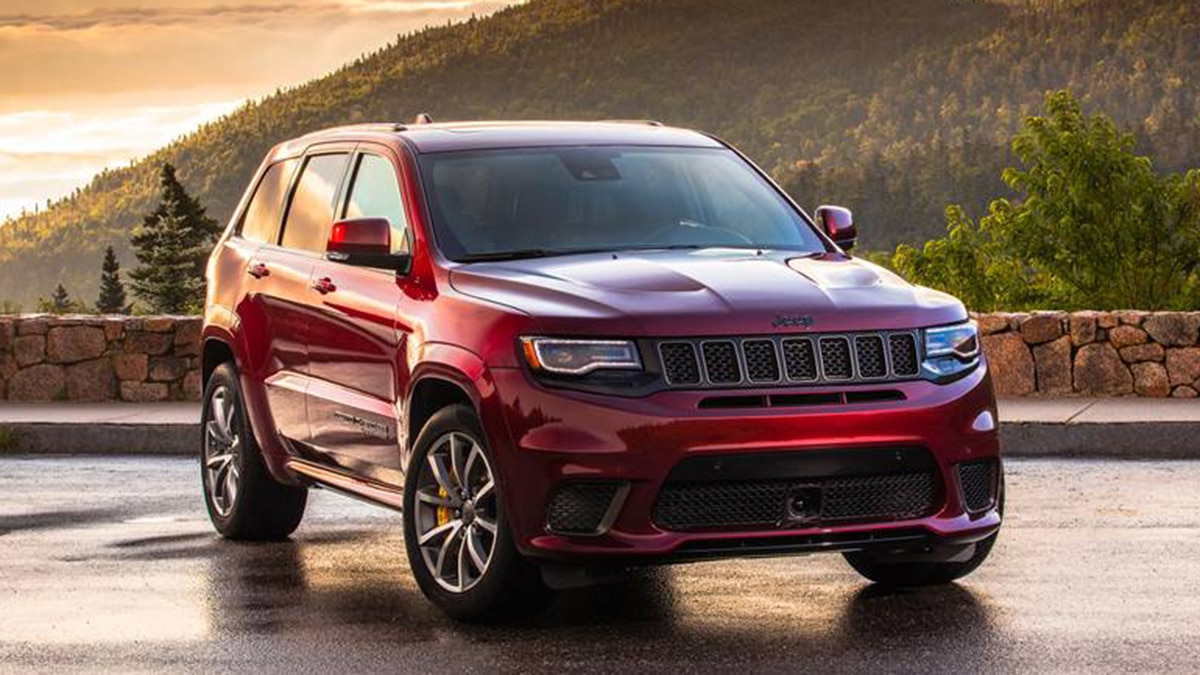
(894,109)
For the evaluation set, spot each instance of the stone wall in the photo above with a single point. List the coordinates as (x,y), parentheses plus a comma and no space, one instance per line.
(99,358)
(143,359)
(1093,353)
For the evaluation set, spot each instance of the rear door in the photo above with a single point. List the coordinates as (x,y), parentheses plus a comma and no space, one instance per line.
(354,343)
(286,298)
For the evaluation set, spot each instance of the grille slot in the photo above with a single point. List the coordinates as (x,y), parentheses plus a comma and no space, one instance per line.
(762,504)
(762,365)
(579,508)
(835,358)
(978,481)
(721,362)
(679,362)
(816,359)
(869,352)
(903,349)
(801,359)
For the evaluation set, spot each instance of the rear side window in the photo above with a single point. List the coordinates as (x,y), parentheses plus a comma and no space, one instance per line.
(261,221)
(311,212)
(376,194)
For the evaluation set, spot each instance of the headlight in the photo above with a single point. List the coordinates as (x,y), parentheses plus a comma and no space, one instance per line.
(951,351)
(579,357)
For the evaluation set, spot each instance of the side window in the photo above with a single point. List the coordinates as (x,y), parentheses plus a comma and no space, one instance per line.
(311,210)
(376,194)
(261,220)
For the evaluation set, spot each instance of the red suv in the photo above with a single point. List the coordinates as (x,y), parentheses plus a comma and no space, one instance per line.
(563,349)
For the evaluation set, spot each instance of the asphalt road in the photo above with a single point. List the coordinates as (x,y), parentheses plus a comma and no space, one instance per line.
(110,564)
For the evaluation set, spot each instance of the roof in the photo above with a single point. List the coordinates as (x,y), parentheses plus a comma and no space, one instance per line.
(457,136)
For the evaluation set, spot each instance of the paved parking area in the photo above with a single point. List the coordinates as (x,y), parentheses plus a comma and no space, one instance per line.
(109,564)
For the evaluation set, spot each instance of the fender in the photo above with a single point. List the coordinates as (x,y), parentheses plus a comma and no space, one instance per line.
(221,324)
(466,370)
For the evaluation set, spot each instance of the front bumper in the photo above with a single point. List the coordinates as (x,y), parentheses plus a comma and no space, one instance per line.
(545,438)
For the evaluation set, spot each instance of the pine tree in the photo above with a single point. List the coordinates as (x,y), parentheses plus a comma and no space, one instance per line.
(172,247)
(59,302)
(112,291)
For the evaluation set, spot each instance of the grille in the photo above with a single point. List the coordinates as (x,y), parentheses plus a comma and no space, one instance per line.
(579,508)
(978,483)
(763,504)
(737,362)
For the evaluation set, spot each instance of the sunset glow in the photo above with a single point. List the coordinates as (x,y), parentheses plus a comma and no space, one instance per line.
(88,85)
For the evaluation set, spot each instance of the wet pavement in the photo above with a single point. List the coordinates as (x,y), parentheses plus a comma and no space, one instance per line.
(110,564)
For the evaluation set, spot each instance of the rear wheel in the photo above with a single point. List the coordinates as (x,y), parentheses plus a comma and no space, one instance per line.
(455,531)
(244,501)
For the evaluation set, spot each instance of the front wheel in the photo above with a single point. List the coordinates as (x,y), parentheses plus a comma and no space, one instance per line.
(244,501)
(901,570)
(455,531)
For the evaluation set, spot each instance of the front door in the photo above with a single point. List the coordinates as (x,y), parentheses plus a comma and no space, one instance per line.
(287,266)
(354,342)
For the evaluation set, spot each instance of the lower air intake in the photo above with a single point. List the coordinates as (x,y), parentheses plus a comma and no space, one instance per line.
(978,481)
(767,504)
(580,508)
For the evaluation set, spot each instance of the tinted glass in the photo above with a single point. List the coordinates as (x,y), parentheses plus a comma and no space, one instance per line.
(261,220)
(311,211)
(587,198)
(376,194)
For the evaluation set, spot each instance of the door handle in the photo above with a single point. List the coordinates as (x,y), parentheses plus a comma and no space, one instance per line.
(324,285)
(258,270)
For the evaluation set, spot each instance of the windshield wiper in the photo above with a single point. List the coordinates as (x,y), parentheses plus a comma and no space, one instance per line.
(523,253)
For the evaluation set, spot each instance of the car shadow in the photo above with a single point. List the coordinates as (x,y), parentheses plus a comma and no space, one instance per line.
(357,588)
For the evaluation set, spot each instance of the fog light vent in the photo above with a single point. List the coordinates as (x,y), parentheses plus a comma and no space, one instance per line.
(582,507)
(978,481)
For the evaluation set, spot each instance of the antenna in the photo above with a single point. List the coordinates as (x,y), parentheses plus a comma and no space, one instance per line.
(423,118)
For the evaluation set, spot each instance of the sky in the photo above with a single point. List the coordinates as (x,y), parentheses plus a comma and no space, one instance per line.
(91,84)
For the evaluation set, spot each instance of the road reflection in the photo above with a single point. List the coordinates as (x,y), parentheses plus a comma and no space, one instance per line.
(353,586)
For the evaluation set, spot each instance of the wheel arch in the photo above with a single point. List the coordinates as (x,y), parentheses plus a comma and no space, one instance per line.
(430,393)
(215,351)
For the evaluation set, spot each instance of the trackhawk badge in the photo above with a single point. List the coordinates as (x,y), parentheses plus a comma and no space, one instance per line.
(793,321)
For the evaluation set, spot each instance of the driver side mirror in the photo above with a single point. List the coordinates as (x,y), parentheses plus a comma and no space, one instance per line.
(838,224)
(365,242)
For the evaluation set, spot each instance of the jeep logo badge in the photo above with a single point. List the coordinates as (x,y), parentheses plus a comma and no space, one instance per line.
(793,321)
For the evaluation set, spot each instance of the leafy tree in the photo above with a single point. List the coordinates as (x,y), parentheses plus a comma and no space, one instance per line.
(112,290)
(59,302)
(1095,226)
(172,246)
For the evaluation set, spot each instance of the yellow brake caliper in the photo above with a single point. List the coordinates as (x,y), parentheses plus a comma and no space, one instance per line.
(443,512)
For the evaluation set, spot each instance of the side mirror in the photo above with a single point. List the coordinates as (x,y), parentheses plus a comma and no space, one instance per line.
(838,225)
(364,242)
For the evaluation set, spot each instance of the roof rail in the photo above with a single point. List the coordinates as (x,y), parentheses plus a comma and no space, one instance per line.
(649,123)
(365,126)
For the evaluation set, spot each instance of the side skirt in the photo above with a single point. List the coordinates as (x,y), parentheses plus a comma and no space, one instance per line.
(351,486)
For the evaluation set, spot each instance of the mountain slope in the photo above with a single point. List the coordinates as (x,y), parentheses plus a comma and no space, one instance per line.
(891,108)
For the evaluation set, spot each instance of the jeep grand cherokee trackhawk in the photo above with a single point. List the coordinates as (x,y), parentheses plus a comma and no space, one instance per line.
(564,348)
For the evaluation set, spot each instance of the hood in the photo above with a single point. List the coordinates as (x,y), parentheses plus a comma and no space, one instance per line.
(706,292)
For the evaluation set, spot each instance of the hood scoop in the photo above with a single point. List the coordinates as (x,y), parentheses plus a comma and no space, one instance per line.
(835,274)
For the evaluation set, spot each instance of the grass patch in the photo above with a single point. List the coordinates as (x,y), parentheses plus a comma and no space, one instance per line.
(10,440)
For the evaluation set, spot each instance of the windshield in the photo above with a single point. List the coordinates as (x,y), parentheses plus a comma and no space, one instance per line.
(499,204)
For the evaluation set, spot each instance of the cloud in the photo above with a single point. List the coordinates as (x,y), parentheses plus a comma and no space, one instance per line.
(124,17)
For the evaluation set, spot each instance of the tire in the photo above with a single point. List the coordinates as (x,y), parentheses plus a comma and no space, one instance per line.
(883,569)
(244,501)
(456,534)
